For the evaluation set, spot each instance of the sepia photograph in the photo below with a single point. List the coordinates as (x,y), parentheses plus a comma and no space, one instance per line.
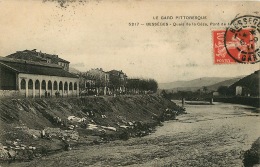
(141,83)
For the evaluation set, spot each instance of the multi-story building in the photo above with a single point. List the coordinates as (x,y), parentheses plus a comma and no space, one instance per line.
(30,74)
(33,55)
(118,80)
(99,79)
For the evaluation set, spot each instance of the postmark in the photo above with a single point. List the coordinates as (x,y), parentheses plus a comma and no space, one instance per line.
(241,39)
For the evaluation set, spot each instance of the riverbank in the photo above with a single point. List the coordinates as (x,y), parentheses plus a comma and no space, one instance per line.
(32,128)
(208,135)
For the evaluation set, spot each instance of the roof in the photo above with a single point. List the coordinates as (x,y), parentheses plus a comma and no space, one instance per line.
(116,72)
(32,55)
(31,67)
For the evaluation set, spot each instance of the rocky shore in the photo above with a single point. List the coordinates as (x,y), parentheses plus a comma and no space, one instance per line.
(32,128)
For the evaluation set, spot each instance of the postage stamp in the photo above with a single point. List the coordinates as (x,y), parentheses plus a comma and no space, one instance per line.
(220,53)
(239,43)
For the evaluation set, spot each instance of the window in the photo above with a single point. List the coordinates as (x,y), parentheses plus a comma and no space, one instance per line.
(23,84)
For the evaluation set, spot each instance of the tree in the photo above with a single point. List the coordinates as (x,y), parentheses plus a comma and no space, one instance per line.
(223,90)
(114,82)
(137,84)
(205,89)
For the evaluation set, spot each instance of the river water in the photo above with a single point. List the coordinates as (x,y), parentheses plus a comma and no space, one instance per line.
(208,135)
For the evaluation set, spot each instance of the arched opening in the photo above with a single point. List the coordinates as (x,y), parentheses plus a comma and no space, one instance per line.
(37,88)
(37,84)
(66,88)
(44,85)
(23,84)
(70,86)
(75,86)
(44,92)
(49,88)
(49,85)
(60,85)
(70,89)
(23,87)
(30,84)
(30,87)
(60,88)
(55,85)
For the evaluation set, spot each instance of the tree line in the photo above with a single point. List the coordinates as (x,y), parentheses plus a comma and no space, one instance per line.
(138,84)
(130,85)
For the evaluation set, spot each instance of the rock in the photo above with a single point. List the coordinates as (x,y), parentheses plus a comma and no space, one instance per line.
(9,142)
(35,137)
(71,127)
(11,154)
(124,126)
(3,152)
(109,128)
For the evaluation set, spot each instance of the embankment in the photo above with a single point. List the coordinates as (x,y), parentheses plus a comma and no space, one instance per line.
(252,156)
(36,127)
(250,101)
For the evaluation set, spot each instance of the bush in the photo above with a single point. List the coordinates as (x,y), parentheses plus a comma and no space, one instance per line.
(252,156)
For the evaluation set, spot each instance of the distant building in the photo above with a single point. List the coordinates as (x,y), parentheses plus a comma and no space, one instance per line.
(31,75)
(118,80)
(239,90)
(215,93)
(99,79)
(33,55)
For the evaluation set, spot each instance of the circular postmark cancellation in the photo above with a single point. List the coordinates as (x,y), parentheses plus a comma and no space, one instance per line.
(242,39)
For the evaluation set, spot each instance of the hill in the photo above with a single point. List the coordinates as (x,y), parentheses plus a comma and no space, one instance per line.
(205,81)
(228,83)
(250,84)
(74,70)
(212,83)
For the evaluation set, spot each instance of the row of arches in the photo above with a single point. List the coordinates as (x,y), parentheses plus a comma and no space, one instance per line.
(47,88)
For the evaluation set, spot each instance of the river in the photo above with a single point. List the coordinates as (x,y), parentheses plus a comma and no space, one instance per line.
(208,135)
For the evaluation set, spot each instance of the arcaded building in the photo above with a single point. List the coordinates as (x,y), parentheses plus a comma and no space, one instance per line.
(37,76)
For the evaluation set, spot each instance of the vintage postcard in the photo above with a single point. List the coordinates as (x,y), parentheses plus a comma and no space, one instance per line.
(129,83)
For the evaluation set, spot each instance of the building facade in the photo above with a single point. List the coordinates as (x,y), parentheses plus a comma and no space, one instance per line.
(118,80)
(30,76)
(239,90)
(97,79)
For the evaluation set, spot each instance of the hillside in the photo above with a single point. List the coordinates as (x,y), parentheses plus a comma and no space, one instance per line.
(73,70)
(205,81)
(212,84)
(228,82)
(249,83)
(36,127)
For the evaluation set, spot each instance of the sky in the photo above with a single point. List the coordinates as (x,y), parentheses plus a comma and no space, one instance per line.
(96,34)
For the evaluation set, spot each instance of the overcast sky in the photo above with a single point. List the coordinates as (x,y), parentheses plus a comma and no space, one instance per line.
(97,34)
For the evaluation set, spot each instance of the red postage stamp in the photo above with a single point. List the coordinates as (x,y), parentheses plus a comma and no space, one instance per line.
(239,43)
(220,53)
